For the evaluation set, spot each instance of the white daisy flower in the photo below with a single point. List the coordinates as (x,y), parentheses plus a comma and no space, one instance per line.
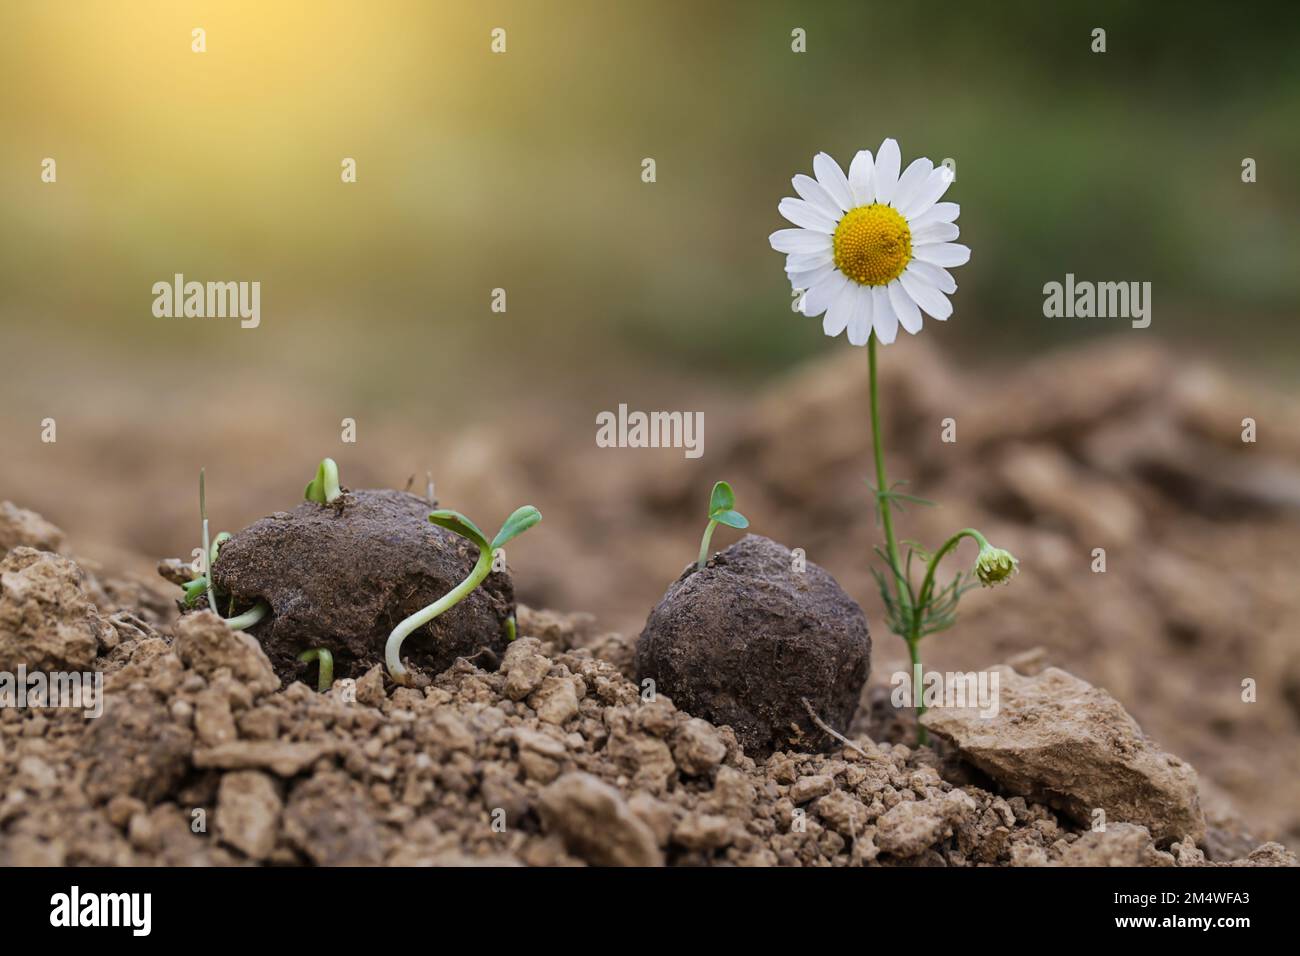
(873,248)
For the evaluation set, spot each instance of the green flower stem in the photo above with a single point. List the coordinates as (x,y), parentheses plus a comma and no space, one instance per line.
(906,599)
(928,584)
(905,596)
(393,649)
(914,637)
(325,677)
(249,617)
(207,543)
(704,544)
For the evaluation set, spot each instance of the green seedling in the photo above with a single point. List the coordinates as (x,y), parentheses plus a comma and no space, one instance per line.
(202,585)
(722,510)
(325,676)
(196,590)
(519,522)
(324,488)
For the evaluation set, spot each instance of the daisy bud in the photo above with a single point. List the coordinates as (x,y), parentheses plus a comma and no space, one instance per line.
(994,566)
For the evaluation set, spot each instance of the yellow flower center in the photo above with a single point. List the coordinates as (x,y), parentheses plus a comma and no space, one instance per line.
(872,244)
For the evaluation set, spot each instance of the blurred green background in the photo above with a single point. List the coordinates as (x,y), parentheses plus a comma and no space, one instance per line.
(522,171)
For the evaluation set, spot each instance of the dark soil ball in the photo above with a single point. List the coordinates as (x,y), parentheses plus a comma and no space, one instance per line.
(745,640)
(342,576)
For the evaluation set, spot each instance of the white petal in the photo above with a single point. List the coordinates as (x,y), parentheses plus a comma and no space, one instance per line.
(939,212)
(943,253)
(803,214)
(841,310)
(818,198)
(934,302)
(887,162)
(819,298)
(833,180)
(884,320)
(809,277)
(860,320)
(928,193)
(909,316)
(927,272)
(935,232)
(860,173)
(799,240)
(803,261)
(911,182)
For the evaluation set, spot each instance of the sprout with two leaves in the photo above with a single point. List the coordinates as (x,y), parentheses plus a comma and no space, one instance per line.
(722,510)
(519,522)
(324,489)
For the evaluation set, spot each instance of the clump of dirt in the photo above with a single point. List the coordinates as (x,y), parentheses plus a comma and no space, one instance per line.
(342,576)
(46,620)
(22,528)
(755,640)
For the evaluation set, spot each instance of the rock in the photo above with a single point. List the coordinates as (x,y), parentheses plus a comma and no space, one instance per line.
(46,621)
(657,814)
(329,820)
(540,755)
(698,748)
(748,638)
(596,824)
(370,687)
(1120,844)
(1268,854)
(842,812)
(540,743)
(500,791)
(213,721)
(1059,740)
(280,757)
(451,732)
(704,831)
(248,813)
(20,528)
(647,758)
(206,645)
(809,788)
(524,667)
(733,793)
(1188,854)
(556,701)
(913,826)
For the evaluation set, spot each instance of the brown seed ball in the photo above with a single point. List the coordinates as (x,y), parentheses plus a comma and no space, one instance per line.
(743,641)
(343,576)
